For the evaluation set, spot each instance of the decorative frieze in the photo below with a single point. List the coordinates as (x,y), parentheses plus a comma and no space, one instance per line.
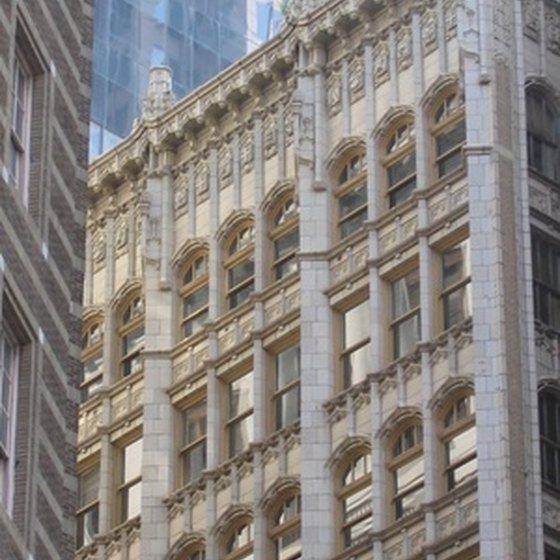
(404,48)
(270,135)
(225,165)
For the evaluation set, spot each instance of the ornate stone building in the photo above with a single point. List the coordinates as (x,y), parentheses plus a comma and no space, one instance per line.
(313,326)
(45,50)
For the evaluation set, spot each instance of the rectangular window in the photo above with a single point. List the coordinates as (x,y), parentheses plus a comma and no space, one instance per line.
(352,210)
(88,506)
(193,444)
(456,293)
(356,361)
(132,345)
(240,282)
(409,486)
(8,400)
(239,425)
(286,389)
(195,310)
(130,488)
(406,313)
(21,125)
(546,280)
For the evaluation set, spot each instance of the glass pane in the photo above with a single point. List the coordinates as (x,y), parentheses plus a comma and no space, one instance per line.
(354,532)
(409,503)
(195,301)
(91,389)
(241,272)
(461,446)
(401,169)
(356,365)
(88,526)
(406,294)
(240,395)
(354,223)
(133,498)
(240,435)
(456,264)
(93,365)
(462,473)
(238,296)
(287,408)
(406,335)
(287,366)
(457,306)
(450,138)
(195,324)
(409,475)
(288,546)
(133,340)
(287,243)
(286,267)
(132,461)
(194,423)
(194,462)
(402,193)
(88,487)
(356,324)
(449,163)
(352,200)
(357,505)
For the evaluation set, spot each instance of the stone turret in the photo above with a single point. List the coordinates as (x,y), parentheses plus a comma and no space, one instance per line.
(160,95)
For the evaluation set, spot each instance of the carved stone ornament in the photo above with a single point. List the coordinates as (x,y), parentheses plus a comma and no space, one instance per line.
(98,248)
(334,93)
(503,22)
(247,152)
(531,19)
(404,48)
(357,78)
(225,166)
(181,195)
(288,123)
(450,14)
(201,182)
(552,19)
(381,63)
(121,232)
(429,31)
(270,136)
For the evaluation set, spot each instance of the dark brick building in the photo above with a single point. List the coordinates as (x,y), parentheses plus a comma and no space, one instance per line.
(45,51)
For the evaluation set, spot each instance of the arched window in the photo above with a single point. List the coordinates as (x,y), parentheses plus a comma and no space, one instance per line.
(240,265)
(549,424)
(194,554)
(407,470)
(239,542)
(543,134)
(355,499)
(459,441)
(92,358)
(285,529)
(449,133)
(131,333)
(351,193)
(194,295)
(400,163)
(284,234)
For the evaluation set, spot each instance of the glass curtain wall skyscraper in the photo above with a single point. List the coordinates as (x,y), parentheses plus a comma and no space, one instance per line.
(195,38)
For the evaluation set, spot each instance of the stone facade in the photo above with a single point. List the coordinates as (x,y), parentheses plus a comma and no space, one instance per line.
(389,139)
(44,106)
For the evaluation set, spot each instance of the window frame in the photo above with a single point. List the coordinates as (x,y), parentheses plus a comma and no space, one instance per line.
(281,229)
(233,258)
(187,447)
(392,157)
(92,349)
(293,385)
(464,283)
(541,96)
(277,530)
(233,421)
(20,142)
(449,432)
(397,321)
(548,445)
(451,119)
(544,250)
(84,509)
(128,326)
(196,284)
(353,488)
(398,460)
(240,552)
(125,485)
(346,352)
(348,181)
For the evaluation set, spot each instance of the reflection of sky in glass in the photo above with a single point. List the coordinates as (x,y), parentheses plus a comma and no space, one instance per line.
(197,39)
